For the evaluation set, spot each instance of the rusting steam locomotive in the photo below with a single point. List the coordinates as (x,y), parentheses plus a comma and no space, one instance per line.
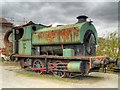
(64,50)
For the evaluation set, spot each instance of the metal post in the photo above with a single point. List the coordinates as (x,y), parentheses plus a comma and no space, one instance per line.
(46,64)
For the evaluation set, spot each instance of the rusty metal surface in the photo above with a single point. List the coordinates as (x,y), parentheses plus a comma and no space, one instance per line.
(64,34)
(60,36)
(81,58)
(57,35)
(73,33)
(61,27)
(29,23)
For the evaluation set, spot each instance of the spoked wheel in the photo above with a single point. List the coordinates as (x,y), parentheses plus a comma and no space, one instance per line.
(57,71)
(38,64)
(90,43)
(26,63)
(69,74)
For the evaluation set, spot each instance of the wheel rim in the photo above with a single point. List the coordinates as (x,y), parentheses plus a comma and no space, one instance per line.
(60,74)
(69,74)
(38,64)
(90,45)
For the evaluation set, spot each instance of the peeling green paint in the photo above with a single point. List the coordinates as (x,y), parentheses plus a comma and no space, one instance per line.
(73,33)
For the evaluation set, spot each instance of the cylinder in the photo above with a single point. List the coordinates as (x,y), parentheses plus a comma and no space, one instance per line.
(97,62)
(68,52)
(74,66)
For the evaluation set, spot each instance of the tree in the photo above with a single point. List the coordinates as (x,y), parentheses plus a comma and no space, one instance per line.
(109,46)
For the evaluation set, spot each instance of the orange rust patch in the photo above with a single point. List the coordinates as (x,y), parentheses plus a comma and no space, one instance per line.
(64,35)
(39,36)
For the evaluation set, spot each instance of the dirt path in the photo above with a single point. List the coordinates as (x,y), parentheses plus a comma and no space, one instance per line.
(95,80)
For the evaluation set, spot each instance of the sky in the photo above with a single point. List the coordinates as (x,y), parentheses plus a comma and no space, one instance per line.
(103,14)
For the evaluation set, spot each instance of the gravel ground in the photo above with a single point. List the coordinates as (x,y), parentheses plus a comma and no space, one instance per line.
(10,79)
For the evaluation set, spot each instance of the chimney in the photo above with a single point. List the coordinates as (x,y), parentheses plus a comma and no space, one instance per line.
(82,18)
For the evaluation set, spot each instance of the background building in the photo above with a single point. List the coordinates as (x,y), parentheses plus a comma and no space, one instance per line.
(5,26)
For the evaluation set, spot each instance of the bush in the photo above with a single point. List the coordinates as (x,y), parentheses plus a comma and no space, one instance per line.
(109,46)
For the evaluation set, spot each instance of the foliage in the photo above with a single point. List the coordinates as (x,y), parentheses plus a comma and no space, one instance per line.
(109,46)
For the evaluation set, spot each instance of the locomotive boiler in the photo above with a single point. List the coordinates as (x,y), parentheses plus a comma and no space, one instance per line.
(64,50)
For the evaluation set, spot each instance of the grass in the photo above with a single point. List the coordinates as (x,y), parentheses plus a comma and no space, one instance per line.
(8,63)
(0,62)
(32,74)
(80,80)
(109,71)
